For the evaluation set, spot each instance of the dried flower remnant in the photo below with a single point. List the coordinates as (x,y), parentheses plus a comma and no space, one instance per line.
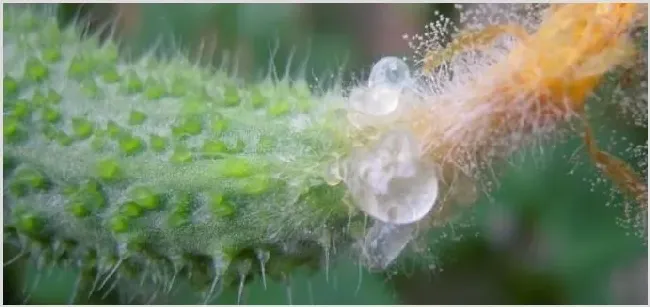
(496,87)
(623,175)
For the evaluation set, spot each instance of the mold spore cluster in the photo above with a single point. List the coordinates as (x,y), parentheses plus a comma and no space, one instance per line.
(473,114)
(492,88)
(470,106)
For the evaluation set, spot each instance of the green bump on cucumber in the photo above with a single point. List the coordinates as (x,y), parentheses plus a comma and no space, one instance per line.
(103,151)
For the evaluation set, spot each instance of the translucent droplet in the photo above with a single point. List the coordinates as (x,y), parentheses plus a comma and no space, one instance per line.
(390,183)
(384,242)
(389,72)
(376,101)
(334,172)
(386,83)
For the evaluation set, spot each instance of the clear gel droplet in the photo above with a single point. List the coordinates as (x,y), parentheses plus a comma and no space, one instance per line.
(386,83)
(390,183)
(384,242)
(389,72)
(375,100)
(333,173)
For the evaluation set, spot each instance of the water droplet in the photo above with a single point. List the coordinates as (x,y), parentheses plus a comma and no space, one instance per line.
(389,72)
(390,183)
(384,242)
(376,101)
(334,173)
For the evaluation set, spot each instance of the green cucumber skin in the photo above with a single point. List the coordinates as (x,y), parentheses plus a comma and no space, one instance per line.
(160,168)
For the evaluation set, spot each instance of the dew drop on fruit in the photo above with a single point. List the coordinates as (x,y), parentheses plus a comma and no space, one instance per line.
(333,173)
(389,72)
(390,183)
(387,79)
(374,101)
(384,242)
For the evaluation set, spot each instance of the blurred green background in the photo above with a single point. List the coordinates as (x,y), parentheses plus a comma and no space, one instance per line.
(551,233)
